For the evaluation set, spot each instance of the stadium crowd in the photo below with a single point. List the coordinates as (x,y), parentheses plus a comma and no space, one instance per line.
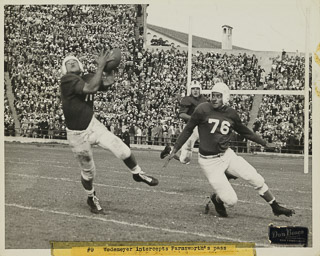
(281,121)
(155,41)
(9,127)
(287,73)
(143,103)
(281,118)
(238,71)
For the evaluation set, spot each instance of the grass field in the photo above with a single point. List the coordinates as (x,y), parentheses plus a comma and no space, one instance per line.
(44,200)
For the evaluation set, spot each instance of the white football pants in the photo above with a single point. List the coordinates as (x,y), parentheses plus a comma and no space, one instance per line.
(215,167)
(95,134)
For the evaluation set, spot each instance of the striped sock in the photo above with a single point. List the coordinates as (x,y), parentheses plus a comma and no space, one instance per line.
(270,202)
(136,169)
(91,192)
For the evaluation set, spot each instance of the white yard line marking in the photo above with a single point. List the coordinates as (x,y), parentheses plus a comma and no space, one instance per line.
(96,184)
(112,169)
(132,224)
(275,189)
(32,161)
(53,165)
(130,188)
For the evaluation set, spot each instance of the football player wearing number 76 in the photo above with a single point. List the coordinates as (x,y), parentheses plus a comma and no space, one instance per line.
(216,121)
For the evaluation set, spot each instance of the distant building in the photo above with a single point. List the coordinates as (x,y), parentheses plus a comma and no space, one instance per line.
(176,38)
(226,37)
(156,37)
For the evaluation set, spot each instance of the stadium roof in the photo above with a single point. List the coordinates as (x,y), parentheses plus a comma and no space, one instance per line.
(197,42)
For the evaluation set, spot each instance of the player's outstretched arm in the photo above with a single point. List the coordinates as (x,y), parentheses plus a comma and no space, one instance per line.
(185,116)
(95,82)
(246,132)
(183,137)
(184,108)
(169,157)
(270,145)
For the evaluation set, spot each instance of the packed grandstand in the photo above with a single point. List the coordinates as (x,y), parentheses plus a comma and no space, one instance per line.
(150,81)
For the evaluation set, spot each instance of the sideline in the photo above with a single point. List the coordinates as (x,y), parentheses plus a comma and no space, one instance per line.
(20,139)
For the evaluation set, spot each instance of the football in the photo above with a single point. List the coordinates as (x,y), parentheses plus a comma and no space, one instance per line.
(111,65)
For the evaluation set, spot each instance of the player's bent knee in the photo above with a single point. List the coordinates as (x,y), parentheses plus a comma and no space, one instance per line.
(263,189)
(85,158)
(231,201)
(88,174)
(257,181)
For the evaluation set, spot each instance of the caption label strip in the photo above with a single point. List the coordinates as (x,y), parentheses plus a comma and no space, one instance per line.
(134,249)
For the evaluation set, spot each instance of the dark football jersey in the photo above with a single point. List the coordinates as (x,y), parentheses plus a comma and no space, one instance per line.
(189,103)
(77,106)
(215,129)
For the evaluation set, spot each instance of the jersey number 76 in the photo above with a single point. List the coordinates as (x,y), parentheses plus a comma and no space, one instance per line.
(224,129)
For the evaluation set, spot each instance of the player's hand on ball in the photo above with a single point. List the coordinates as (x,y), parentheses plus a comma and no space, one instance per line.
(103,58)
(113,60)
(109,78)
(110,57)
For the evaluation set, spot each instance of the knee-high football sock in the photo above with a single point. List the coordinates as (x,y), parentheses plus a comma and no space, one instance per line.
(132,164)
(88,186)
(268,196)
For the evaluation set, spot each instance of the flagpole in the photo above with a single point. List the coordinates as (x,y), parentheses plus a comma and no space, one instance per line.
(189,55)
(306,97)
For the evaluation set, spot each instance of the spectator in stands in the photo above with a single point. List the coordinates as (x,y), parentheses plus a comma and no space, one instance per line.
(9,126)
(138,134)
(24,127)
(164,129)
(50,129)
(126,137)
(132,133)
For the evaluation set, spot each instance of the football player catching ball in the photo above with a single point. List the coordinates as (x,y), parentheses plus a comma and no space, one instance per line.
(215,121)
(84,130)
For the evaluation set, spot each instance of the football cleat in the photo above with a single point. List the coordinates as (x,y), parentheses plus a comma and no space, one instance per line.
(220,209)
(142,177)
(94,204)
(280,210)
(165,152)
